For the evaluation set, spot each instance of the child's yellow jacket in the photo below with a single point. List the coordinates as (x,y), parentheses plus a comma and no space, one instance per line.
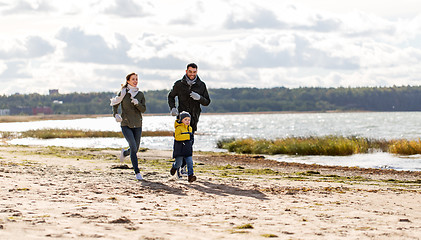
(183,140)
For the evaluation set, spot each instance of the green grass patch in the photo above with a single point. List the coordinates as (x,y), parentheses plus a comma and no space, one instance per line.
(418,181)
(158,164)
(269,235)
(309,173)
(79,153)
(264,171)
(235,171)
(245,226)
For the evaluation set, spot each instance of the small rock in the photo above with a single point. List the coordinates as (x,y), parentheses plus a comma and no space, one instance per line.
(121,220)
(124,166)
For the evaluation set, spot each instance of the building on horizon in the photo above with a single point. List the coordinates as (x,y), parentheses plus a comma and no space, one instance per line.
(42,110)
(53,91)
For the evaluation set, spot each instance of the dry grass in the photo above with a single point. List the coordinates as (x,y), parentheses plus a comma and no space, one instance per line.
(73,133)
(405,147)
(31,118)
(326,145)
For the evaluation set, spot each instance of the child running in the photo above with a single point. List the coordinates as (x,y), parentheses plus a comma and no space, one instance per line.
(183,145)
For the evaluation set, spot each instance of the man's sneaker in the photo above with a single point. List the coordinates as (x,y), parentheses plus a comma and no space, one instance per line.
(184,171)
(122,155)
(138,176)
(172,171)
(178,174)
(192,178)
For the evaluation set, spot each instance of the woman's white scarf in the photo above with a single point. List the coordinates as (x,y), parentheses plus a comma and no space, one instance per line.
(132,90)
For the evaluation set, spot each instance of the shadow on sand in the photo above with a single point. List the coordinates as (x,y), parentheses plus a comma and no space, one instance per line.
(225,190)
(180,187)
(159,187)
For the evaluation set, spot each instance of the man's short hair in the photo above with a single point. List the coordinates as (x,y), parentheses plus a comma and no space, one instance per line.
(192,65)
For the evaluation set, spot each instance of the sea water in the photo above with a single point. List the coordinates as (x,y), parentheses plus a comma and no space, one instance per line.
(215,127)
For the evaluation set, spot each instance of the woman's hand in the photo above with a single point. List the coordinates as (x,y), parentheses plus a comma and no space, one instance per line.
(135,101)
(118,118)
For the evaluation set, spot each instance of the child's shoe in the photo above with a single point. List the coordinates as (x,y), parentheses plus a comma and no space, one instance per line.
(139,176)
(184,171)
(192,178)
(179,174)
(172,171)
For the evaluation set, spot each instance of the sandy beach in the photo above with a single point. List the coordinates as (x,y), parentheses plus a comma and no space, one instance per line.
(60,193)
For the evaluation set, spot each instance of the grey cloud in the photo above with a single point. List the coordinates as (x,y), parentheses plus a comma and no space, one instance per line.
(257,56)
(189,17)
(264,18)
(388,31)
(304,55)
(261,18)
(38,47)
(169,62)
(22,7)
(111,73)
(93,48)
(32,48)
(121,74)
(157,76)
(126,9)
(14,71)
(186,20)
(206,65)
(157,43)
(321,24)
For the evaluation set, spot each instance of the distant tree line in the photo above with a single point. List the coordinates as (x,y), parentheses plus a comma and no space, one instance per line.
(404,98)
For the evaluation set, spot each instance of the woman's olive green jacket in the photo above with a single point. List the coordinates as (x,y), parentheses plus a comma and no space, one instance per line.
(130,113)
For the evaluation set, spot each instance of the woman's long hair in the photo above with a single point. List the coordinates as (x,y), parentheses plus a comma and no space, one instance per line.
(127,79)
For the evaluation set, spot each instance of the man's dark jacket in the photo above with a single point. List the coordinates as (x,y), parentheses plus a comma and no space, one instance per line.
(182,90)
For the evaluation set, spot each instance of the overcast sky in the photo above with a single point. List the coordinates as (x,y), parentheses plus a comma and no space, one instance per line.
(91,45)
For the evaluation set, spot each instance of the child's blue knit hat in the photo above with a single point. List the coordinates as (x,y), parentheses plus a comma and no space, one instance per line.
(183,115)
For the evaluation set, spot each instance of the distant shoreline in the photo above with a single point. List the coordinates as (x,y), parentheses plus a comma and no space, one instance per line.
(30,118)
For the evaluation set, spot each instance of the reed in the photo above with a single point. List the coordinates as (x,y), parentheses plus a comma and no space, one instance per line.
(157,133)
(326,145)
(8,134)
(405,147)
(74,133)
(30,118)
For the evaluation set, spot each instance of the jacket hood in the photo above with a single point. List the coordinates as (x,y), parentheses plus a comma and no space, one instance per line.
(176,123)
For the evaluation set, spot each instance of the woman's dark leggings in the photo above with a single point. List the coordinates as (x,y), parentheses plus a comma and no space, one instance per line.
(132,136)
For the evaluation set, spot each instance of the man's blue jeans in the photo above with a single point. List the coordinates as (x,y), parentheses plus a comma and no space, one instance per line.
(132,136)
(189,161)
